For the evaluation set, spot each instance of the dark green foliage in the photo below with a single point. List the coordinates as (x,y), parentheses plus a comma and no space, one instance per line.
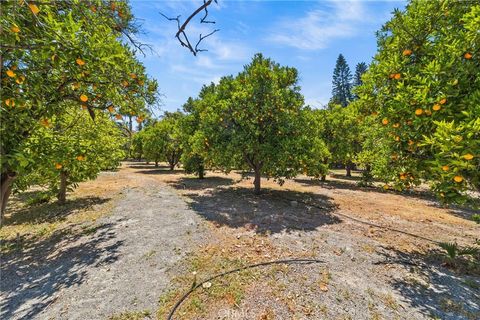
(342,82)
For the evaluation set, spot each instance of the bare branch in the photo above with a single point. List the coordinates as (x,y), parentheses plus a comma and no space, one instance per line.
(182,36)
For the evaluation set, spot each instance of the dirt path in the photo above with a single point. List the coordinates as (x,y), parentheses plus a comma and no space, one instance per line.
(120,264)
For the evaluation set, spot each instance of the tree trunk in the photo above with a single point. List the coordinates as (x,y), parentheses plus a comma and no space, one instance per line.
(62,192)
(323,178)
(201,172)
(172,166)
(257,180)
(156,164)
(7,179)
(348,167)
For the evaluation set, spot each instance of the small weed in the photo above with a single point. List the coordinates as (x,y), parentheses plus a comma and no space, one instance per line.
(132,315)
(476,218)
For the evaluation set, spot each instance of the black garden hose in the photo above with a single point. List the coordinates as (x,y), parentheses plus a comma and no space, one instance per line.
(251,266)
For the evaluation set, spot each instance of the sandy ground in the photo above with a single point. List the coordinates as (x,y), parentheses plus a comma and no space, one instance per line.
(379,260)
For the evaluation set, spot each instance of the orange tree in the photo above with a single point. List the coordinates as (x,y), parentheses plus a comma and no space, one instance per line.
(257,121)
(423,89)
(71,150)
(58,51)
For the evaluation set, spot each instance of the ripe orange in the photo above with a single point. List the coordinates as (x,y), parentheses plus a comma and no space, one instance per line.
(10,102)
(20,79)
(385,121)
(397,76)
(410,142)
(445,168)
(443,101)
(83,98)
(397,138)
(80,62)
(436,107)
(111,109)
(58,166)
(133,75)
(467,55)
(403,176)
(407,52)
(468,156)
(10,73)
(15,29)
(125,83)
(458,179)
(418,112)
(118,116)
(34,8)
(45,123)
(80,158)
(396,125)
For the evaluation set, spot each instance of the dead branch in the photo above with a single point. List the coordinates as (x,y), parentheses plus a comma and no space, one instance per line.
(182,36)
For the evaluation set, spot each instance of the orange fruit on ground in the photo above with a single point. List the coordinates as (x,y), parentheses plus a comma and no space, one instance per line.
(34,8)
(58,166)
(80,158)
(407,52)
(467,55)
(436,107)
(468,156)
(10,73)
(410,142)
(15,29)
(111,109)
(392,75)
(458,179)
(445,168)
(443,101)
(118,117)
(385,121)
(83,98)
(80,62)
(397,76)
(403,176)
(125,83)
(419,112)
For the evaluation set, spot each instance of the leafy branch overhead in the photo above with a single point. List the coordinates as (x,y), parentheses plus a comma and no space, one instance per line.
(181,34)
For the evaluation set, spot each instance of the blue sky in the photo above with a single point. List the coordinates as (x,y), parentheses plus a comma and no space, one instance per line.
(307,35)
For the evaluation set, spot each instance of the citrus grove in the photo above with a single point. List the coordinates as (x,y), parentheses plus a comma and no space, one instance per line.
(70,77)
(69,72)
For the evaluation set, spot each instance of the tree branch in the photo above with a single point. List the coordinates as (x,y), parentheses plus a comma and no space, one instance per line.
(182,36)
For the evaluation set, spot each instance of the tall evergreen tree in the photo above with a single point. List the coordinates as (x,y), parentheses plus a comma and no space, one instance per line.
(342,82)
(360,69)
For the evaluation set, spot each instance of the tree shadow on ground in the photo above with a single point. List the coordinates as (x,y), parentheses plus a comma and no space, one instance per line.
(31,278)
(161,169)
(51,211)
(271,212)
(189,183)
(433,289)
(148,166)
(458,211)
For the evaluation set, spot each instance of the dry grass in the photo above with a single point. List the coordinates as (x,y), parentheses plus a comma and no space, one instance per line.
(24,224)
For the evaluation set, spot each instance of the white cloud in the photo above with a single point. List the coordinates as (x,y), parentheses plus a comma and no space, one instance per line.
(315,30)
